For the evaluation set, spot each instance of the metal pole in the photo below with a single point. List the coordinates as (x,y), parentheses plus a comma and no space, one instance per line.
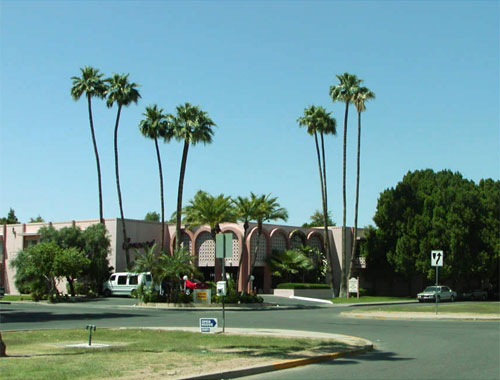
(436,297)
(224,279)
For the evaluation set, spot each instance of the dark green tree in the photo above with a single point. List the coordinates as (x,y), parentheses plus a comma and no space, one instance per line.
(317,220)
(38,219)
(123,93)
(11,218)
(152,216)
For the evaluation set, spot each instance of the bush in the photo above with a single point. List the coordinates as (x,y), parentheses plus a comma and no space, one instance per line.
(291,285)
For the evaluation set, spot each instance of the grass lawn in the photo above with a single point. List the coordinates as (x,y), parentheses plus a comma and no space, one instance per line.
(366,299)
(448,307)
(22,297)
(142,354)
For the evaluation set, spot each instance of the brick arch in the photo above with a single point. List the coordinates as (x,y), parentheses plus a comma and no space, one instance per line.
(318,237)
(204,248)
(190,241)
(297,238)
(279,240)
(237,244)
(264,245)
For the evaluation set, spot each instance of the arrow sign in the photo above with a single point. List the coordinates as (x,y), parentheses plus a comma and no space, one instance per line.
(437,258)
(208,324)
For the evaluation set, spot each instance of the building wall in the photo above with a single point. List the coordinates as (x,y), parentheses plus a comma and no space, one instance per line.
(14,238)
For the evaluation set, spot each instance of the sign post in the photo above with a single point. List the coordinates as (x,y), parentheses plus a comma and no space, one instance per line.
(223,249)
(437,258)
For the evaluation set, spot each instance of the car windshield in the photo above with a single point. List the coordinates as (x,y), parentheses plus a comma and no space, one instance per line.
(431,289)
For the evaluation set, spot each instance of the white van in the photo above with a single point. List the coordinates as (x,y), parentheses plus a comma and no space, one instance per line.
(125,283)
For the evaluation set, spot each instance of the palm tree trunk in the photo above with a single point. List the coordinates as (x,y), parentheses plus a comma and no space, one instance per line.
(101,218)
(178,237)
(252,264)
(117,172)
(243,246)
(161,197)
(323,199)
(355,243)
(343,277)
(325,212)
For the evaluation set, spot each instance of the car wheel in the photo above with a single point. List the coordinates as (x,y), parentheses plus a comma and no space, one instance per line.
(420,301)
(107,293)
(452,299)
(188,292)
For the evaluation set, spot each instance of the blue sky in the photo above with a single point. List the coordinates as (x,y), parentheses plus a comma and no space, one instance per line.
(253,66)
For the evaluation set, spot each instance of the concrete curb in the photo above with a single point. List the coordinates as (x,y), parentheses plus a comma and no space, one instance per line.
(286,364)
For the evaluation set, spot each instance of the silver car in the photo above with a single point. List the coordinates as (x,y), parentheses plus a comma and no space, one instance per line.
(441,292)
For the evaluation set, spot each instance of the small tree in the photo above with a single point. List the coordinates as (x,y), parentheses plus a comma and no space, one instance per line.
(288,263)
(152,216)
(70,263)
(11,218)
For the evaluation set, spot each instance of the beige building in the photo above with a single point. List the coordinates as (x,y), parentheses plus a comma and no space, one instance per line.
(16,237)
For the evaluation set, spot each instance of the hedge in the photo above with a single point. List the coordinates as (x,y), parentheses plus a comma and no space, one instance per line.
(291,285)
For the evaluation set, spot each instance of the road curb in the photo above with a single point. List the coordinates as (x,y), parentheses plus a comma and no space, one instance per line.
(285,364)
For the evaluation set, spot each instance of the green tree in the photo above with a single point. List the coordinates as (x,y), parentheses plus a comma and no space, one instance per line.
(97,248)
(36,264)
(173,267)
(152,216)
(11,218)
(70,263)
(317,220)
(288,263)
(93,86)
(153,126)
(427,211)
(266,209)
(192,126)
(38,219)
(362,95)
(318,121)
(146,261)
(344,92)
(123,93)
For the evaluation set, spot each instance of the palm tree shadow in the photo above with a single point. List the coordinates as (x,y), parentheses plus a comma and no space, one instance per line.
(374,355)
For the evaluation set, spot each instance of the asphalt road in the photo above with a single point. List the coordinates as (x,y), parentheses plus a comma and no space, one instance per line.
(403,349)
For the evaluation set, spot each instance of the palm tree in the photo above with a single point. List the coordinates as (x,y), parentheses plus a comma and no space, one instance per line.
(145,261)
(205,209)
(123,93)
(92,84)
(153,126)
(191,125)
(289,262)
(344,92)
(265,209)
(359,100)
(317,120)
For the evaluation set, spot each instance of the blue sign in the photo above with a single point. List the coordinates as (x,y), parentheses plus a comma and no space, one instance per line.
(208,324)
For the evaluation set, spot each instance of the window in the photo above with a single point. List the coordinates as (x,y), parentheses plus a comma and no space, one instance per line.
(133,280)
(112,278)
(122,280)
(149,278)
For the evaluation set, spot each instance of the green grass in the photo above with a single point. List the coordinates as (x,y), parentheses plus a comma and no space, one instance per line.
(42,354)
(367,299)
(22,297)
(448,307)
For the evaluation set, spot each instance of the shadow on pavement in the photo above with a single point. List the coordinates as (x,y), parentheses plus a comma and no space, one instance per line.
(374,355)
(23,317)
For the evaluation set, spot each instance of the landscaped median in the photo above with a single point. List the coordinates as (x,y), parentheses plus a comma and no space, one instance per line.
(463,311)
(158,353)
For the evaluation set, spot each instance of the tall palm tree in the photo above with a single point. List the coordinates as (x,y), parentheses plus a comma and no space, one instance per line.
(123,93)
(193,126)
(265,210)
(359,100)
(153,126)
(317,120)
(92,84)
(344,92)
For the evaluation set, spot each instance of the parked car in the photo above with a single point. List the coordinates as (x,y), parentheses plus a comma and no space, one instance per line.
(441,292)
(476,294)
(125,283)
(195,284)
